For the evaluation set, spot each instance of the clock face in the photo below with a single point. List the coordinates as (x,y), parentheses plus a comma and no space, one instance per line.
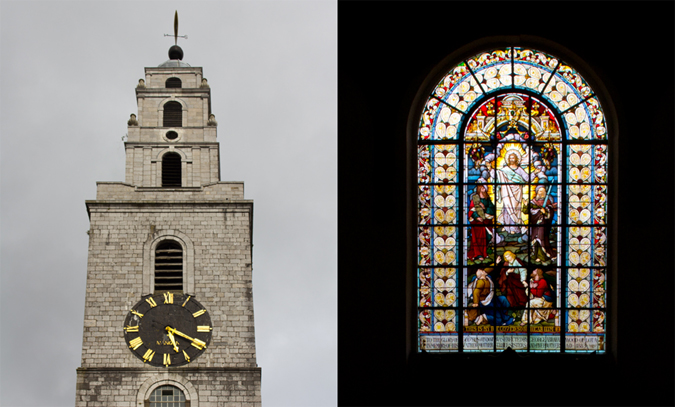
(168,329)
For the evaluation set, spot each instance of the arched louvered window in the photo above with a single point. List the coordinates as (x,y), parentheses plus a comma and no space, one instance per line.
(173,83)
(167,396)
(169,266)
(171,170)
(173,114)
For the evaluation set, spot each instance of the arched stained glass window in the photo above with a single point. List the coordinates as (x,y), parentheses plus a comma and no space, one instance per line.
(512,222)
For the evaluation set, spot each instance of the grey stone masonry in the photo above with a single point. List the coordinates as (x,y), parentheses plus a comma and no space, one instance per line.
(205,387)
(195,140)
(214,225)
(219,191)
(220,235)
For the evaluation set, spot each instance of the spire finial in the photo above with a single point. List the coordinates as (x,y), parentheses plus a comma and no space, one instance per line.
(175,28)
(175,52)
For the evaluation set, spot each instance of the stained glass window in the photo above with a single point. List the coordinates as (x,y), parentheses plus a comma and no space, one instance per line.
(512,219)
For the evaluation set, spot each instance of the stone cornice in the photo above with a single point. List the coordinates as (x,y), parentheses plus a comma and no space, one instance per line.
(164,92)
(170,369)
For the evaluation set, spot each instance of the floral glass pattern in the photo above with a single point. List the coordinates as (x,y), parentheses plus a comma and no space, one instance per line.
(512,208)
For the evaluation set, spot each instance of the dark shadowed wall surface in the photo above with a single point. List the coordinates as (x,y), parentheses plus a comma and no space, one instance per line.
(386,50)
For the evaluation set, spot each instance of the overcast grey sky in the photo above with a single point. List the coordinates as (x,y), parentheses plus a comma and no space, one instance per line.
(68,72)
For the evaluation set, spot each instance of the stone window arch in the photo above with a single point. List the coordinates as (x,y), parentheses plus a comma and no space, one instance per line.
(167,381)
(185,166)
(512,183)
(159,239)
(173,103)
(173,114)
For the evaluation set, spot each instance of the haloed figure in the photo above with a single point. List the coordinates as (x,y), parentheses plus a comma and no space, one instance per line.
(511,196)
(481,216)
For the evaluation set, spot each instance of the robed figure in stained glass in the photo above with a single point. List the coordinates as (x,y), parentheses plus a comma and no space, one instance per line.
(481,216)
(485,307)
(512,151)
(541,210)
(511,196)
(512,279)
(541,299)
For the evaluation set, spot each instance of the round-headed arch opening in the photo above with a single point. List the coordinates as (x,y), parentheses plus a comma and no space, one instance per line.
(168,266)
(173,83)
(171,170)
(511,213)
(173,114)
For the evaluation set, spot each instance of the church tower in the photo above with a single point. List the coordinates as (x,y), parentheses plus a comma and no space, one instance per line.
(169,305)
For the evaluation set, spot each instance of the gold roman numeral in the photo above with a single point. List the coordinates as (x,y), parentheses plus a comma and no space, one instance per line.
(137,313)
(198,313)
(131,328)
(188,299)
(204,328)
(135,343)
(168,298)
(186,356)
(148,355)
(167,359)
(151,302)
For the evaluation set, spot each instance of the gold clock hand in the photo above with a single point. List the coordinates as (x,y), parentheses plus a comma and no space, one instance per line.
(179,333)
(195,342)
(173,341)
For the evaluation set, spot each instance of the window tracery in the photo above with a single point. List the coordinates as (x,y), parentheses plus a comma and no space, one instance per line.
(512,187)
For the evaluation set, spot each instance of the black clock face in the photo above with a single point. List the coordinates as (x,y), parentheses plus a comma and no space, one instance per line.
(168,329)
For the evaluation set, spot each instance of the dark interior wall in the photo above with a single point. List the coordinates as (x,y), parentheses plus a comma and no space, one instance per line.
(385,51)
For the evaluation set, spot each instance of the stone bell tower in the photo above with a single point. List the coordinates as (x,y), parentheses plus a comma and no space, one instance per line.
(175,236)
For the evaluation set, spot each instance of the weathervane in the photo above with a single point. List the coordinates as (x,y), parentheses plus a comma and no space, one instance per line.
(175,30)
